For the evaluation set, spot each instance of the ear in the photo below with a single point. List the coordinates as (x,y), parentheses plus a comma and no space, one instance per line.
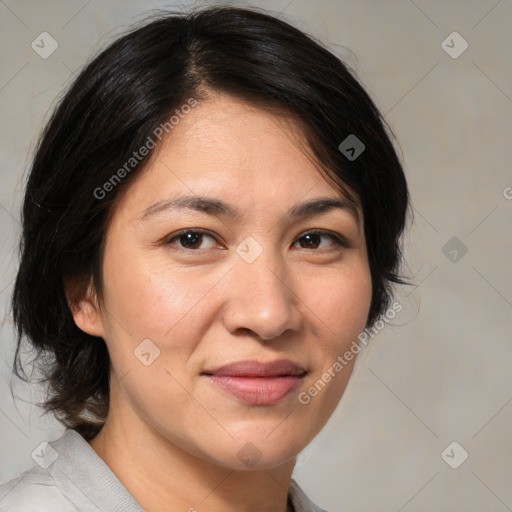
(86,311)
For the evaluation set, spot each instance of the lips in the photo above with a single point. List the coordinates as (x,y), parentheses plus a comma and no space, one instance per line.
(257,383)
(279,368)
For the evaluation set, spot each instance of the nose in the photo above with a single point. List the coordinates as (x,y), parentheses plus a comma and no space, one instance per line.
(262,298)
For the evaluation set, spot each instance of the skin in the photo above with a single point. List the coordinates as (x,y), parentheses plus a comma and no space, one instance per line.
(171,436)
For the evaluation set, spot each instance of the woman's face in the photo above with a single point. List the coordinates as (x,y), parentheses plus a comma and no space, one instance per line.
(190,287)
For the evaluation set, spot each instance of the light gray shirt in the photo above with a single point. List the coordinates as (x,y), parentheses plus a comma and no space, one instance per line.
(71,477)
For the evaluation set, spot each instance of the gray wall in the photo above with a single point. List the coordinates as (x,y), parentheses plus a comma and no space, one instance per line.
(441,373)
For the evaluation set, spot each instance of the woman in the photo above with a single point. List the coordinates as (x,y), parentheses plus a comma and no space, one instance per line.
(212,219)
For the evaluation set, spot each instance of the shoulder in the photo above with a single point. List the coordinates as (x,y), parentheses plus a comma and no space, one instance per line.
(34,490)
(69,477)
(301,502)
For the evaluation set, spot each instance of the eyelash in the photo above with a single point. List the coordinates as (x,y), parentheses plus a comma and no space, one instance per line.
(338,240)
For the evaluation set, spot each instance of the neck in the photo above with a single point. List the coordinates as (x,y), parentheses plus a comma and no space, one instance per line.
(161,475)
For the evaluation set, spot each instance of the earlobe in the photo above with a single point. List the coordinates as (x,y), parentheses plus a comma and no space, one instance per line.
(87,318)
(86,311)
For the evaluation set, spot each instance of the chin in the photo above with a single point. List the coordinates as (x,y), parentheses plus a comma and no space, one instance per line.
(257,452)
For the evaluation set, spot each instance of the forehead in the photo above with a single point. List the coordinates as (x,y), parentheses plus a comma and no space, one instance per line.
(229,149)
(225,130)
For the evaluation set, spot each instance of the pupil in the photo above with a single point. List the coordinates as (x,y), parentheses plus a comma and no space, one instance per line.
(191,238)
(309,239)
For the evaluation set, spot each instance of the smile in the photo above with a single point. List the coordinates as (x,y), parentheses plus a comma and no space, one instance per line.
(257,383)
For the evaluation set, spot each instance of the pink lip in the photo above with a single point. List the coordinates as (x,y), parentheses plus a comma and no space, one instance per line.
(258,383)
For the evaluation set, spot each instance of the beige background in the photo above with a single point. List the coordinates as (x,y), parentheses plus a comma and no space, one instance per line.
(442,373)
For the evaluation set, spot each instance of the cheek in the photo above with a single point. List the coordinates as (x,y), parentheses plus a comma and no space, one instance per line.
(339,310)
(139,296)
(342,304)
(158,300)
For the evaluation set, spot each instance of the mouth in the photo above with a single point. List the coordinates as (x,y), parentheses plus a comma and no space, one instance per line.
(257,383)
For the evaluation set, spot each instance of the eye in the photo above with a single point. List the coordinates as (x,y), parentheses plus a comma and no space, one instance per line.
(311,239)
(190,239)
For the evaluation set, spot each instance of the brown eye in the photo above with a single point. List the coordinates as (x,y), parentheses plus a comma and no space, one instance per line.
(190,239)
(312,240)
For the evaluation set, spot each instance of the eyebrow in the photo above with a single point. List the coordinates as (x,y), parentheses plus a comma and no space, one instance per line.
(218,208)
